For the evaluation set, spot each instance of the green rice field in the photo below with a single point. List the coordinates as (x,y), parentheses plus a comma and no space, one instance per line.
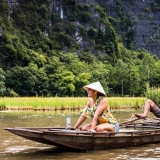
(37,103)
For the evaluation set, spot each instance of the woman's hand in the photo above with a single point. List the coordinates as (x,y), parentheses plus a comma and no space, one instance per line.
(91,130)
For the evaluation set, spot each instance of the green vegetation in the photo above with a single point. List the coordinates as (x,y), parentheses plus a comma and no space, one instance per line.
(2,83)
(47,55)
(154,94)
(125,103)
(36,103)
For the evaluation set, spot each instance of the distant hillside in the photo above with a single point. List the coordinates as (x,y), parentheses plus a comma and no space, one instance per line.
(90,25)
(64,25)
(137,21)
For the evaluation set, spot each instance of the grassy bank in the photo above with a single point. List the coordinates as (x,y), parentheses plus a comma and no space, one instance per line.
(34,103)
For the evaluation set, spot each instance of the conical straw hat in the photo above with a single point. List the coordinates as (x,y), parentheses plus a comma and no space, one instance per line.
(95,86)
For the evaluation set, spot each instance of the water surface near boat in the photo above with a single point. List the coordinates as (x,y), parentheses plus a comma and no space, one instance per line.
(13,147)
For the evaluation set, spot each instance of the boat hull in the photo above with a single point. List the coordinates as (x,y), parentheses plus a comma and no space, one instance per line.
(87,140)
(101,141)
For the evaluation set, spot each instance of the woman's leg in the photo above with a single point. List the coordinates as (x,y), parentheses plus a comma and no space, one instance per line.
(104,127)
(86,127)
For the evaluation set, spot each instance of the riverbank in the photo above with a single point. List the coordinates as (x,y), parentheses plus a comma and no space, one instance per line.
(56,103)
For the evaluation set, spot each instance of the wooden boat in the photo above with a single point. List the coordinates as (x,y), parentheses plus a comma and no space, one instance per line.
(130,134)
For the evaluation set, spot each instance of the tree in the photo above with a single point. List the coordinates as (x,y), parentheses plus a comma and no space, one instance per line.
(146,68)
(155,75)
(99,73)
(62,83)
(27,81)
(121,72)
(134,81)
(86,57)
(2,83)
(81,80)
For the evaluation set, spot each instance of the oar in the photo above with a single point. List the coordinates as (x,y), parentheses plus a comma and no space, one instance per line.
(156,118)
(130,121)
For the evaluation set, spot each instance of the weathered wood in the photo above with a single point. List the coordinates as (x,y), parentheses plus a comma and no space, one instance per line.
(141,126)
(156,118)
(130,121)
(127,136)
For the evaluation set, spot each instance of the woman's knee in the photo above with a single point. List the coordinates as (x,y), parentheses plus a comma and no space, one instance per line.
(98,129)
(83,128)
(86,127)
(106,128)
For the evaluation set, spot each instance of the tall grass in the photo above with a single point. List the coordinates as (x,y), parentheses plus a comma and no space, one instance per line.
(67,103)
(34,102)
(153,94)
(126,103)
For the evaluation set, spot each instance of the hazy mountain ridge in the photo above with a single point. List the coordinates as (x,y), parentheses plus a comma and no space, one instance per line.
(145,17)
(137,22)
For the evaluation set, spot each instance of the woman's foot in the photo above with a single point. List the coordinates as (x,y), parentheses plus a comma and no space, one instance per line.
(141,116)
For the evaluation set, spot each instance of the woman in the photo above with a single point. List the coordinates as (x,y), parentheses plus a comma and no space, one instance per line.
(97,108)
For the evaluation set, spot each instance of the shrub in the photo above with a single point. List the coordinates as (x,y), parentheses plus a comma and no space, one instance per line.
(72,17)
(82,31)
(84,16)
(55,18)
(69,2)
(92,32)
(112,20)
(70,28)
(153,94)
(83,7)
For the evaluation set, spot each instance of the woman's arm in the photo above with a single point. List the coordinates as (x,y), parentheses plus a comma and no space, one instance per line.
(103,105)
(81,118)
(80,121)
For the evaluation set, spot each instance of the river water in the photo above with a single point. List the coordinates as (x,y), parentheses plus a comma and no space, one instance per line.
(13,147)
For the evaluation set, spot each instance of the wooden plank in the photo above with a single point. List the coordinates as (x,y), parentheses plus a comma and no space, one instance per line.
(141,126)
(130,121)
(156,118)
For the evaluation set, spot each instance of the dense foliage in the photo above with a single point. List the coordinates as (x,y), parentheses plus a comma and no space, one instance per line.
(154,94)
(39,55)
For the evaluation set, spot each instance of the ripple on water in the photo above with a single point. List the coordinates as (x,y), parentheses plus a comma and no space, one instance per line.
(144,159)
(24,148)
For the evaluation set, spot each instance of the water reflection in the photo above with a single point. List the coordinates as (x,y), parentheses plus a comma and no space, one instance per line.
(13,147)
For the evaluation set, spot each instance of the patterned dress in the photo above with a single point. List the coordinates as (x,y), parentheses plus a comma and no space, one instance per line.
(104,117)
